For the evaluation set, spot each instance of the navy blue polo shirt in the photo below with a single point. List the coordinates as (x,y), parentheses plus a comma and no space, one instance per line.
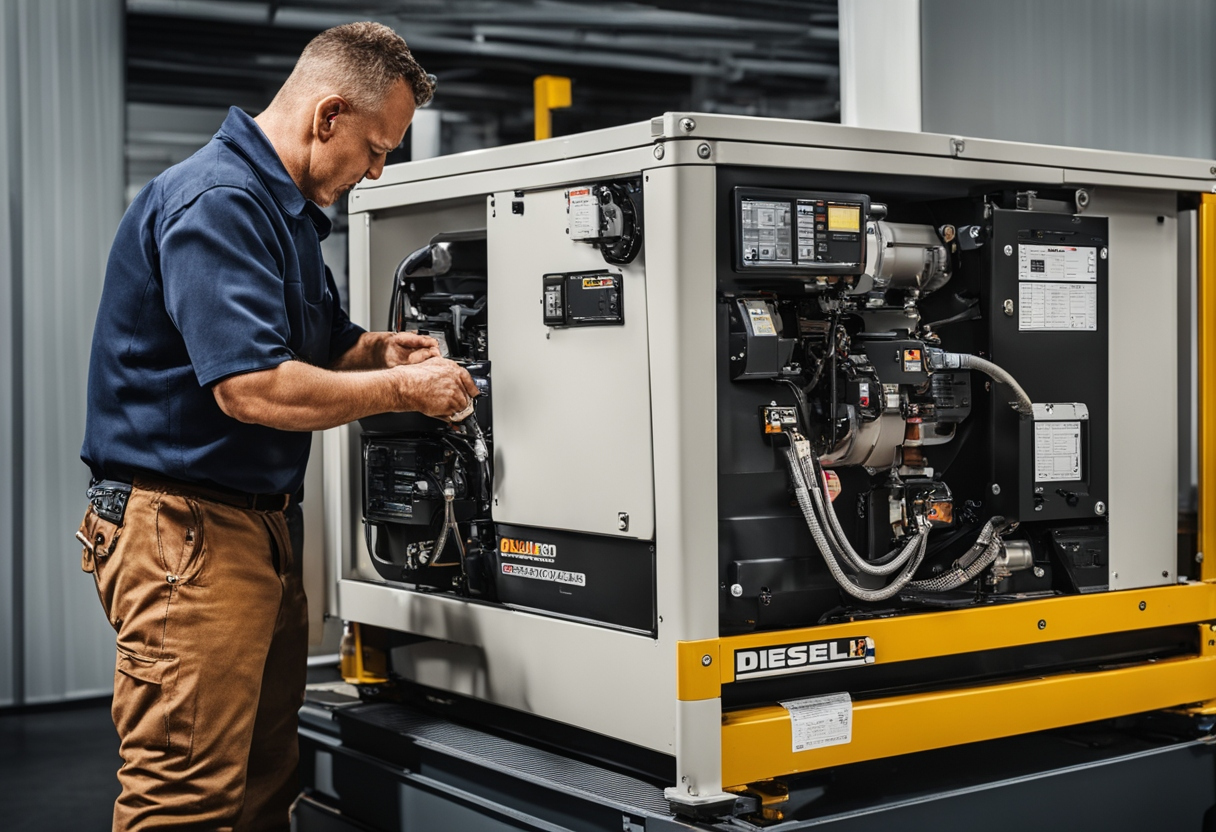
(216,270)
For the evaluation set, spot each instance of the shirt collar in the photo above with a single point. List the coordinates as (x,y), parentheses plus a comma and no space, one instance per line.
(244,135)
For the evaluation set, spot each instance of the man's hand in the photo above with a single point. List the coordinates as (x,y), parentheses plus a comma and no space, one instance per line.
(382,350)
(437,387)
(409,348)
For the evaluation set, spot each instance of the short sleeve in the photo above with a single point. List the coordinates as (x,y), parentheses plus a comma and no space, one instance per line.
(221,268)
(343,333)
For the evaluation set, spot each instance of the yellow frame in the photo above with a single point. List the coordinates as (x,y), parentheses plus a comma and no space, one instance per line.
(756,742)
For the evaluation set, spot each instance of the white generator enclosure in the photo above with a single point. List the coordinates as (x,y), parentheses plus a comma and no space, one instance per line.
(755,378)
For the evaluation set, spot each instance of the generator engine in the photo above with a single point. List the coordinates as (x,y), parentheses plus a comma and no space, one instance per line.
(427,483)
(894,457)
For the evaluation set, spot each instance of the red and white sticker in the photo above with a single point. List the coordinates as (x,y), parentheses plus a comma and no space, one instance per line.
(831,482)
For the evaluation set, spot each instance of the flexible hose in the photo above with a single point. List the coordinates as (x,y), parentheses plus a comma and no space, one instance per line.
(996,373)
(890,563)
(801,492)
(970,565)
(886,565)
(448,495)
(938,359)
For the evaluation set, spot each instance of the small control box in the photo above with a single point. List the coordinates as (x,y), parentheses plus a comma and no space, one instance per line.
(583,299)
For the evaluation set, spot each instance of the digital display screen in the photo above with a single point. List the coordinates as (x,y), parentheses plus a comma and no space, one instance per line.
(844,217)
(766,227)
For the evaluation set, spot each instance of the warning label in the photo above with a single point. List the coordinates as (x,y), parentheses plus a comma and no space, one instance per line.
(762,321)
(1074,264)
(584,219)
(820,721)
(539,573)
(1057,451)
(1057,307)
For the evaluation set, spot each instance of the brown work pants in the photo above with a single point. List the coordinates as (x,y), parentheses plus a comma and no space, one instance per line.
(208,603)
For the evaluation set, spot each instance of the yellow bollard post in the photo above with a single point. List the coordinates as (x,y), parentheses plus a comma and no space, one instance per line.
(549,92)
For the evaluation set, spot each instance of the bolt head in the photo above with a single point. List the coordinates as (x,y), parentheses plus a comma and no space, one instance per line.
(1038,572)
(706,661)
(687,125)
(1099,508)
(703,150)
(736,590)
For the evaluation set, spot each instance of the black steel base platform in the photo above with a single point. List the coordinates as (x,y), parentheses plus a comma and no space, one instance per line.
(390,768)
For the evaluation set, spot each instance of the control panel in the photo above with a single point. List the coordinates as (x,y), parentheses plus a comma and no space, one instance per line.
(583,299)
(799,232)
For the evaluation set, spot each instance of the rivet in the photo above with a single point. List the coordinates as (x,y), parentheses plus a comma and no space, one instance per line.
(703,150)
(99,538)
(1008,251)
(658,151)
(1143,606)
(688,125)
(1042,624)
(171,579)
(706,660)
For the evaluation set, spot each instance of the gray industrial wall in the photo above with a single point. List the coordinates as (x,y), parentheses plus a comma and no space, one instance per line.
(61,166)
(1132,75)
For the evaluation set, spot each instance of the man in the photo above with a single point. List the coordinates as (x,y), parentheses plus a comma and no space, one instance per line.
(219,345)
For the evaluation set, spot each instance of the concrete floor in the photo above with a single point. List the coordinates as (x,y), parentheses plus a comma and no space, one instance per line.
(57,768)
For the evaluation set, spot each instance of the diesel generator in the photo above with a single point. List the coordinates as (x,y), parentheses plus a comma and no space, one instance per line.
(798,445)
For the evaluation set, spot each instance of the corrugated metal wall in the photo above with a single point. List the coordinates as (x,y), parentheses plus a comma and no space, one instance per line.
(1131,75)
(62,143)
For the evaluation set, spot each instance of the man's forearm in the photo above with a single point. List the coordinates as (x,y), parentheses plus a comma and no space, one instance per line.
(366,354)
(298,396)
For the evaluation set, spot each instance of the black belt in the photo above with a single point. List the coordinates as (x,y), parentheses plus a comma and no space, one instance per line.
(212,493)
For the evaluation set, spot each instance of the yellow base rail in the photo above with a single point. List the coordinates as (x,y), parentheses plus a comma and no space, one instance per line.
(757,743)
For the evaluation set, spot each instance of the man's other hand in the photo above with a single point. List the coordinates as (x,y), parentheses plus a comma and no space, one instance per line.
(409,348)
(437,387)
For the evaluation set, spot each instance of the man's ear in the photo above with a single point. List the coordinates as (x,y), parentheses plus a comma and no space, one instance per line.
(328,114)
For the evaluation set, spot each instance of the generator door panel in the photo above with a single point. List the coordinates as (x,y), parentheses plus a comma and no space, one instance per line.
(571,369)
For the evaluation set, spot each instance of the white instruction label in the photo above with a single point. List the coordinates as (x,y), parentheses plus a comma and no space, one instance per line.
(1075,264)
(1057,451)
(584,214)
(1058,306)
(820,721)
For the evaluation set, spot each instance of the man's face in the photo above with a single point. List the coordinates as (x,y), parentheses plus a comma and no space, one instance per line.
(351,145)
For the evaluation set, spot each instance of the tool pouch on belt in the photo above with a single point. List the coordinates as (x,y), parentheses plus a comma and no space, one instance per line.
(102,524)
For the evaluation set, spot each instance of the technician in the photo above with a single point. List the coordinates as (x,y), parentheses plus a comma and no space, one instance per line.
(219,346)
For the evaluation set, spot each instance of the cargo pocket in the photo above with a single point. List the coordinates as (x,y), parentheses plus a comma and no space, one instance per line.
(179,539)
(153,713)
